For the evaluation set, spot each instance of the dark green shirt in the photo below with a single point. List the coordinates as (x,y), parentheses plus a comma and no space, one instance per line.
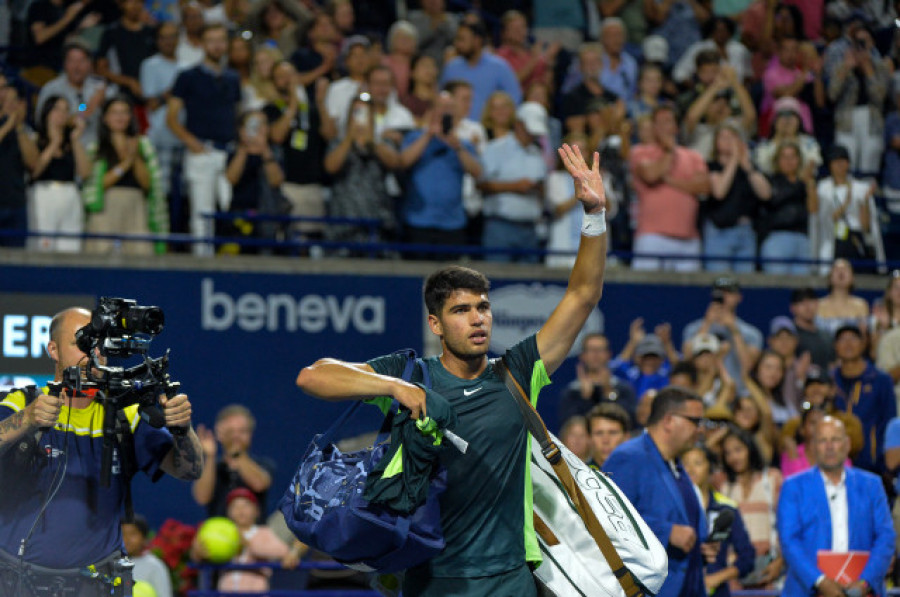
(486,512)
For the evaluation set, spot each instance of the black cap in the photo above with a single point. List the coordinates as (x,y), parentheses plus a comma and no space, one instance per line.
(816,374)
(798,295)
(727,284)
(848,327)
(838,152)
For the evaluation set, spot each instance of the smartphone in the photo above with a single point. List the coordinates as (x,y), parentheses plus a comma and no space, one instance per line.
(447,123)
(361,115)
(253,125)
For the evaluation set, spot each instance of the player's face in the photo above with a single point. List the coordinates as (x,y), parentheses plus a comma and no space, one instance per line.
(464,324)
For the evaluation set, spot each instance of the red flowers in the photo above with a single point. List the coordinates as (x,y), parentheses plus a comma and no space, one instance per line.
(172,544)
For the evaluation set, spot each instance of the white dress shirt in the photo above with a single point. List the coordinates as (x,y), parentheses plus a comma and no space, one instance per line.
(840,513)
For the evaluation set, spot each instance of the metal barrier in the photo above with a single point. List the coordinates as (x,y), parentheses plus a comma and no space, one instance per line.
(375,248)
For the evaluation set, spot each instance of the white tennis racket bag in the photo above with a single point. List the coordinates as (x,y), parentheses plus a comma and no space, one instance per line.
(573,564)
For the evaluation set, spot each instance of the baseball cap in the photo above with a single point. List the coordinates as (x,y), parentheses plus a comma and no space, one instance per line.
(787,104)
(782,323)
(241,492)
(816,374)
(848,327)
(704,343)
(798,295)
(656,49)
(356,40)
(838,152)
(534,117)
(726,284)
(650,344)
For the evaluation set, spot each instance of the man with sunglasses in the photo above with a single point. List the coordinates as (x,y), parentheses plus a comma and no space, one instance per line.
(663,493)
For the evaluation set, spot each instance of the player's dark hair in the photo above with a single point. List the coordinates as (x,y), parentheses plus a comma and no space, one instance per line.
(441,284)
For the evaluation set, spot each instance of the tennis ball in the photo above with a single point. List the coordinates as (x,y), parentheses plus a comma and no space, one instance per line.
(142,589)
(221,539)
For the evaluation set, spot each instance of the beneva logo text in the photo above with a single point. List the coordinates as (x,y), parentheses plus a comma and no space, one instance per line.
(311,313)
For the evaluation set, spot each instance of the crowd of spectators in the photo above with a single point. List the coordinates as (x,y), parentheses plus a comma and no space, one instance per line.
(765,387)
(735,135)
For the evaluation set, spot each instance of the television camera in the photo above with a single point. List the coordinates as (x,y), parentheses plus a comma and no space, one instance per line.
(120,328)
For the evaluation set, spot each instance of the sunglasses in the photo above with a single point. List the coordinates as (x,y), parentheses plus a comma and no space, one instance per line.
(697,421)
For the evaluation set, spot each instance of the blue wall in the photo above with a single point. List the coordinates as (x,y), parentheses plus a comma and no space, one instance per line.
(232,341)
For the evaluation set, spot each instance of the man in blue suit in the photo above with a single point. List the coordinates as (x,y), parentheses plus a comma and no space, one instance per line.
(814,514)
(648,470)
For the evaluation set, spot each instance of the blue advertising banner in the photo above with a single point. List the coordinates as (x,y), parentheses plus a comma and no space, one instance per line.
(234,338)
(238,337)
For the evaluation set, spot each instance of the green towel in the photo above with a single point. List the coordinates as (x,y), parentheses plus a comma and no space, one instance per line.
(400,480)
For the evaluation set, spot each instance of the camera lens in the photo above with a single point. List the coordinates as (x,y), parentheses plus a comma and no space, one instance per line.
(148,320)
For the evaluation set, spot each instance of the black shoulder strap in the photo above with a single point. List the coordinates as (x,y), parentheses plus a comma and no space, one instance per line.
(127,460)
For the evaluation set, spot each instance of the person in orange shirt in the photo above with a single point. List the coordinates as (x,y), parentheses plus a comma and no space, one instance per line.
(669,180)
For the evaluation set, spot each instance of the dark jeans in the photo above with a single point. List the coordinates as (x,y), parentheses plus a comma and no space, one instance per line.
(434,236)
(13,220)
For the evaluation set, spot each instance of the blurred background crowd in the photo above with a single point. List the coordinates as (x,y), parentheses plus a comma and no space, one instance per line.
(735,134)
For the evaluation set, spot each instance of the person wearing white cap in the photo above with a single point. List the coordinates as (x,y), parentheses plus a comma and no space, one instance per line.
(513,186)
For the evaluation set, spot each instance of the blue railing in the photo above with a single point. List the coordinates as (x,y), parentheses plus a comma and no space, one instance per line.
(374,248)
(206,572)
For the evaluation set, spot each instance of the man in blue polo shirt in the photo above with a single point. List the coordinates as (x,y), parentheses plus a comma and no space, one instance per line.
(209,94)
(484,71)
(435,160)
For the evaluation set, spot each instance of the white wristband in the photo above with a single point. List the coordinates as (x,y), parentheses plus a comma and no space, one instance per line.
(594,224)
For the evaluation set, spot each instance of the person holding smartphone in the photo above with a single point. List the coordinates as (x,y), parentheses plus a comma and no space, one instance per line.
(254,175)
(358,161)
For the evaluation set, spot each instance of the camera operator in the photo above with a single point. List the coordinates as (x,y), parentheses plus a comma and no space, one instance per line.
(59,527)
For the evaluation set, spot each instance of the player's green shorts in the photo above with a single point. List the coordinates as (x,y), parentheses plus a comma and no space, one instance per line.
(515,583)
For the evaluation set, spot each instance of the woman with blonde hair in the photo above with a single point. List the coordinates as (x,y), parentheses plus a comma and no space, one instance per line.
(498,115)
(736,188)
(783,219)
(260,90)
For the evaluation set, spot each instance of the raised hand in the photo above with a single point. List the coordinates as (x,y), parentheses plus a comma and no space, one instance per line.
(588,182)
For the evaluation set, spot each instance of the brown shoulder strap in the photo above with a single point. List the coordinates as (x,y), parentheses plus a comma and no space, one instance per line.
(551,452)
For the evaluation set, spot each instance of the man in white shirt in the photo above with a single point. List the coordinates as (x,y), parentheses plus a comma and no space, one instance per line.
(814,516)
(158,73)
(513,187)
(84,91)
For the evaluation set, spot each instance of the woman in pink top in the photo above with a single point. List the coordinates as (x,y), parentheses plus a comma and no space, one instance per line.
(797,459)
(785,77)
(402,40)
